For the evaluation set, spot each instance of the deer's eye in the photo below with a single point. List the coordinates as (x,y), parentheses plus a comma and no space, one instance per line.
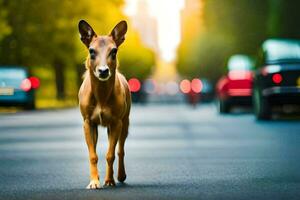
(113,53)
(92,53)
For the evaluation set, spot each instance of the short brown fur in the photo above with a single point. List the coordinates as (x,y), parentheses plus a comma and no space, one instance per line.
(104,102)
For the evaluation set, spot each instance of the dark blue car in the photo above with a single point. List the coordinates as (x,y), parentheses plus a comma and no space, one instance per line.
(17,87)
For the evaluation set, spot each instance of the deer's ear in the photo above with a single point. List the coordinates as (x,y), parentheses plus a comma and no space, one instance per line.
(86,32)
(118,33)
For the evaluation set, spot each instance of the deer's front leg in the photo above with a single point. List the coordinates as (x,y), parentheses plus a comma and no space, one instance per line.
(114,132)
(91,135)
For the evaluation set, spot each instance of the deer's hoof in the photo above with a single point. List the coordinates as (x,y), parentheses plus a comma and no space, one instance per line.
(109,183)
(93,185)
(122,178)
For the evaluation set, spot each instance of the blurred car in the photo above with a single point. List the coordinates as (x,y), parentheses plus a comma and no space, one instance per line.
(17,87)
(207,92)
(277,78)
(235,88)
(136,88)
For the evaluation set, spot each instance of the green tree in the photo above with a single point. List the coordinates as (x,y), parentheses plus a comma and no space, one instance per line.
(135,59)
(230,27)
(204,56)
(283,19)
(4,28)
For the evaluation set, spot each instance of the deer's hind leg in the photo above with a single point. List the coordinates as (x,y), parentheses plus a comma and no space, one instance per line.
(121,152)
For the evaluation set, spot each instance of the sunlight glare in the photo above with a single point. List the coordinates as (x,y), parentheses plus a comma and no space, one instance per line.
(167,13)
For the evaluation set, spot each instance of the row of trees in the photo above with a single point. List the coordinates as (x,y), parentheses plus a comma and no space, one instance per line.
(43,36)
(234,27)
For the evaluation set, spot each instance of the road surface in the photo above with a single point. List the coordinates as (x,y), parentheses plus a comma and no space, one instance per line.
(172,152)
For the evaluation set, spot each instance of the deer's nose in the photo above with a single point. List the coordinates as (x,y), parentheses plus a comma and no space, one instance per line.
(103,72)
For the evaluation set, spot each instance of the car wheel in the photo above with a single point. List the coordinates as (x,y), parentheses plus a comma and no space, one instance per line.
(262,107)
(224,106)
(29,106)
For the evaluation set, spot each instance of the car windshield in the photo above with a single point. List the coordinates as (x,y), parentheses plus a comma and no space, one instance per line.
(282,51)
(240,62)
(11,77)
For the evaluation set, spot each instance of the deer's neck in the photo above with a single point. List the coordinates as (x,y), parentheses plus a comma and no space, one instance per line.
(102,90)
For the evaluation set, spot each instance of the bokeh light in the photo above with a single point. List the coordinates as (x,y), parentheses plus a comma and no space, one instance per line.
(277,78)
(134,85)
(150,86)
(196,85)
(35,82)
(172,88)
(25,85)
(185,86)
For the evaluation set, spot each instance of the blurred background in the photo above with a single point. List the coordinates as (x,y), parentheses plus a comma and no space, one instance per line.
(175,50)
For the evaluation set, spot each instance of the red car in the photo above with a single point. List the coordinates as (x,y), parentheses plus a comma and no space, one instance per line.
(235,88)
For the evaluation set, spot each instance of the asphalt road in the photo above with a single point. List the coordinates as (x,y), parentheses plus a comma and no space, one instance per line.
(173,152)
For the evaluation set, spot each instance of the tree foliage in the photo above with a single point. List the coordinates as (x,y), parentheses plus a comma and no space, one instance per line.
(4,28)
(233,27)
(43,35)
(283,19)
(135,60)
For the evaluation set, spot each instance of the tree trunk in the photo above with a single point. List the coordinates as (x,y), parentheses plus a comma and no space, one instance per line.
(59,80)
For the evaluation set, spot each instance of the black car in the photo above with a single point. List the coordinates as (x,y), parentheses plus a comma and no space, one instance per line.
(277,78)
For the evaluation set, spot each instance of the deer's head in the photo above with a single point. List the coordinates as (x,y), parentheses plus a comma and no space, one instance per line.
(102,49)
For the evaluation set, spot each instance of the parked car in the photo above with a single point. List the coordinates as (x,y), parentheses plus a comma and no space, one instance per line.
(277,78)
(235,88)
(17,87)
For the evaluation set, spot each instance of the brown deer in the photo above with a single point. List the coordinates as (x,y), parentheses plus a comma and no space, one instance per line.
(104,99)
